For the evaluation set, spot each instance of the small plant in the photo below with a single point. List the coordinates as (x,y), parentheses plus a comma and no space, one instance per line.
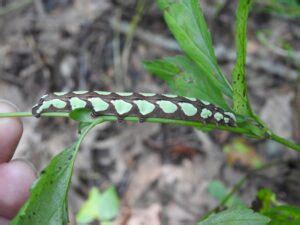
(102,207)
(194,74)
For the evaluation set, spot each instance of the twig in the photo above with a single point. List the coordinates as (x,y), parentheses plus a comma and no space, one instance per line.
(222,53)
(147,36)
(285,142)
(135,120)
(162,121)
(117,52)
(131,33)
(293,54)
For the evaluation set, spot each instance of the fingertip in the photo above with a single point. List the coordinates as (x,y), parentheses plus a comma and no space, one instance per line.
(11,130)
(24,166)
(4,221)
(16,179)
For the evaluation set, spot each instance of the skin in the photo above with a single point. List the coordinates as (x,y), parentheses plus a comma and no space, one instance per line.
(16,176)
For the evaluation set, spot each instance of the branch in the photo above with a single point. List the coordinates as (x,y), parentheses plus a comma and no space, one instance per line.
(285,142)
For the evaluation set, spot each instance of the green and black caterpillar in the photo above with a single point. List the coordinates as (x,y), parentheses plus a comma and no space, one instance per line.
(141,105)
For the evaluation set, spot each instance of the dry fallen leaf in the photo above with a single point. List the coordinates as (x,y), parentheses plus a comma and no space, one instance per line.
(148,216)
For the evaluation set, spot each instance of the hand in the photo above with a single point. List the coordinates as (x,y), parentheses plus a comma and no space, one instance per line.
(16,176)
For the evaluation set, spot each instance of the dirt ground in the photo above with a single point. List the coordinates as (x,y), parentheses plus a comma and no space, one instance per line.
(161,172)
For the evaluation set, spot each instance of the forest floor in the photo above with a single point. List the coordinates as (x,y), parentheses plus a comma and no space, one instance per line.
(162,173)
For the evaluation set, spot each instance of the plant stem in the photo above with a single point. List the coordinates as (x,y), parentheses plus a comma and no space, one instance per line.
(135,119)
(29,114)
(285,142)
(241,103)
(178,122)
(161,120)
(15,114)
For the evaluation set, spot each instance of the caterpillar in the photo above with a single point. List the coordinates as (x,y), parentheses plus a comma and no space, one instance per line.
(141,105)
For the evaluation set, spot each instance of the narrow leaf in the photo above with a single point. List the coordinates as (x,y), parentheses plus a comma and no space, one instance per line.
(283,215)
(47,203)
(220,192)
(187,23)
(99,206)
(236,216)
(184,78)
(89,210)
(109,204)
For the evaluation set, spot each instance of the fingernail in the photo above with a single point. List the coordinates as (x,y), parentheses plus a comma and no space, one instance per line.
(11,107)
(7,107)
(25,161)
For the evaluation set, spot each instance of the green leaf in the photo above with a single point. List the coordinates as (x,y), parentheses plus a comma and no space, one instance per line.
(183,77)
(241,103)
(109,204)
(187,23)
(267,198)
(280,214)
(89,210)
(236,216)
(164,69)
(47,203)
(283,215)
(82,126)
(220,192)
(102,207)
(82,115)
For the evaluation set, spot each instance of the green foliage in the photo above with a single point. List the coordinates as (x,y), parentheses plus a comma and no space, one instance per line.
(187,23)
(99,206)
(267,199)
(283,215)
(47,203)
(183,77)
(82,115)
(48,199)
(220,192)
(195,74)
(280,214)
(236,216)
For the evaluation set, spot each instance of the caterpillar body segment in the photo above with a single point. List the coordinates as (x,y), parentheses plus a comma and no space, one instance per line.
(141,105)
